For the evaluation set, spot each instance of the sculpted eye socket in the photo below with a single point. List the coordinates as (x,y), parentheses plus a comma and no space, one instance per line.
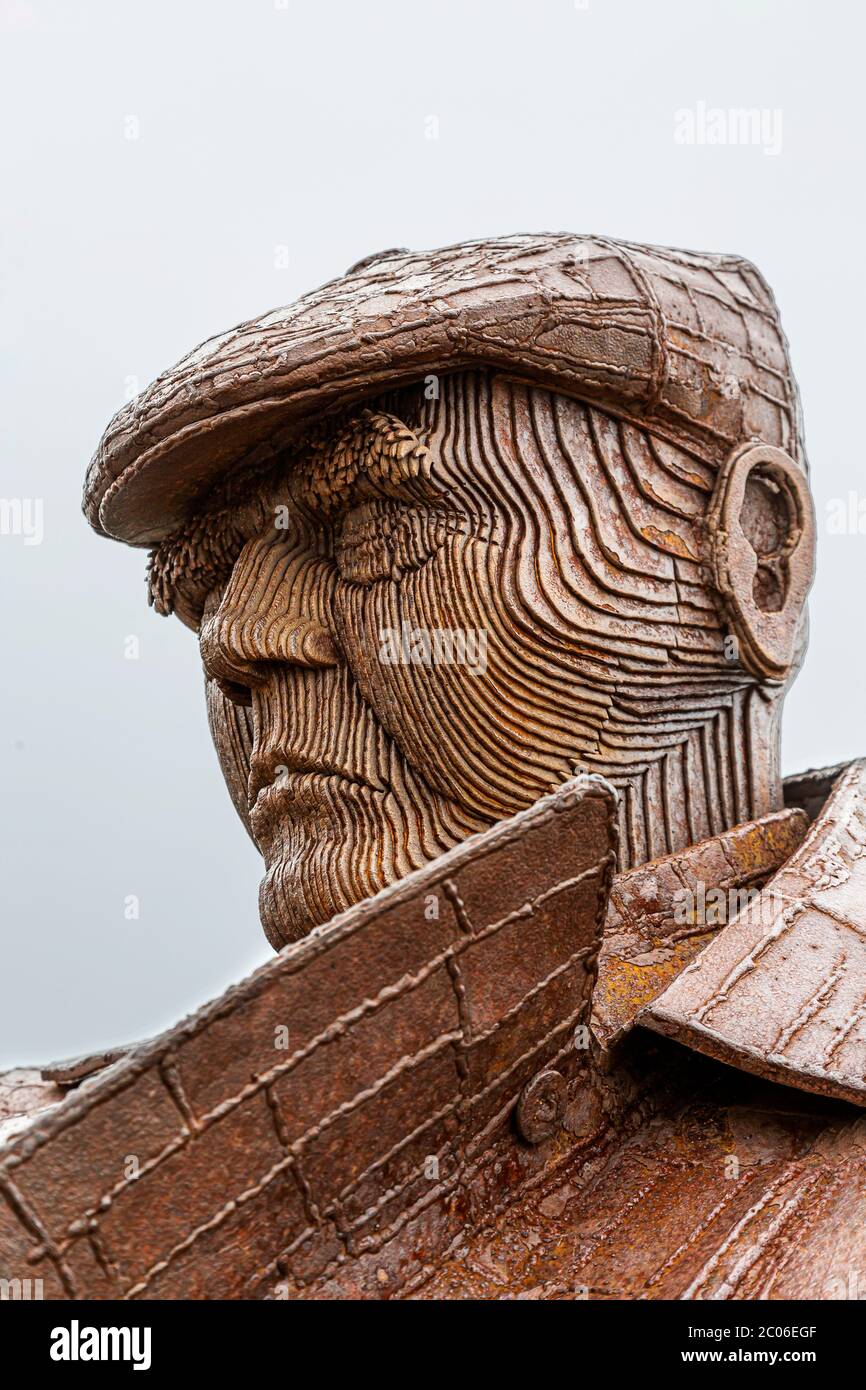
(381,538)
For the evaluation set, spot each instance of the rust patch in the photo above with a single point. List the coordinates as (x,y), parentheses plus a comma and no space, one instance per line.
(661,915)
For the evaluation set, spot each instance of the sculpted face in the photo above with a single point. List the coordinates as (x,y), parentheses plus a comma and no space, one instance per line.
(438,609)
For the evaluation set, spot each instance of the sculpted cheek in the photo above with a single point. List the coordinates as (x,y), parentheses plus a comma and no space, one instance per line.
(443,665)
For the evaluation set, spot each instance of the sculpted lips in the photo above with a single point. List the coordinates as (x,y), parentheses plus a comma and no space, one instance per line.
(282,787)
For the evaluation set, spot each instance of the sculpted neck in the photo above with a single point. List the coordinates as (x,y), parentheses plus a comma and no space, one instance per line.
(680,785)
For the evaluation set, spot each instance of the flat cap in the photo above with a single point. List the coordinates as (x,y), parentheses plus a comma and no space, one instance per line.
(687,345)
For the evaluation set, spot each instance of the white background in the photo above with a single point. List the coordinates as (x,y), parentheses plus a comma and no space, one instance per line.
(305,126)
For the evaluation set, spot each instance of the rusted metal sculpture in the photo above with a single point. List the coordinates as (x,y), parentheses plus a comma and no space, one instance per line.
(498,558)
(783,990)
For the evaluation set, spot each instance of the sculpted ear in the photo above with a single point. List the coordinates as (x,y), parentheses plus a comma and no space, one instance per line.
(761,533)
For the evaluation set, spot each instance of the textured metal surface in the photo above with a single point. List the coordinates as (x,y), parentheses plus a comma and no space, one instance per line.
(686,342)
(347,1112)
(782,989)
(74,1069)
(670,1175)
(693,1182)
(809,790)
(586,456)
(24,1093)
(662,914)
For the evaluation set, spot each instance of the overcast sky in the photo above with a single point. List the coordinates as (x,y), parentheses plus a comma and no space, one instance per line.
(170,168)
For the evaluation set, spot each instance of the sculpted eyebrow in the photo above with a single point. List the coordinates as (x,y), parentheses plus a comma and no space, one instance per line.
(374,454)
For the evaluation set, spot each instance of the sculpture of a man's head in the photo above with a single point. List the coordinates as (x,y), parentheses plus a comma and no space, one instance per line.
(580,539)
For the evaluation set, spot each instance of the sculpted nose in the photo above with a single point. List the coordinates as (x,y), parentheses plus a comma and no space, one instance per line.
(269,613)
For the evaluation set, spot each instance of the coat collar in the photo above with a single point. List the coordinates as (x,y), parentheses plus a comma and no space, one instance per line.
(781,989)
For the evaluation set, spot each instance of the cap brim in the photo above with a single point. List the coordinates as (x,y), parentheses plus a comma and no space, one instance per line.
(687,344)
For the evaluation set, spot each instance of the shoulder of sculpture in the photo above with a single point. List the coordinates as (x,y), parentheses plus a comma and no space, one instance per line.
(662,915)
(25,1093)
(780,990)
